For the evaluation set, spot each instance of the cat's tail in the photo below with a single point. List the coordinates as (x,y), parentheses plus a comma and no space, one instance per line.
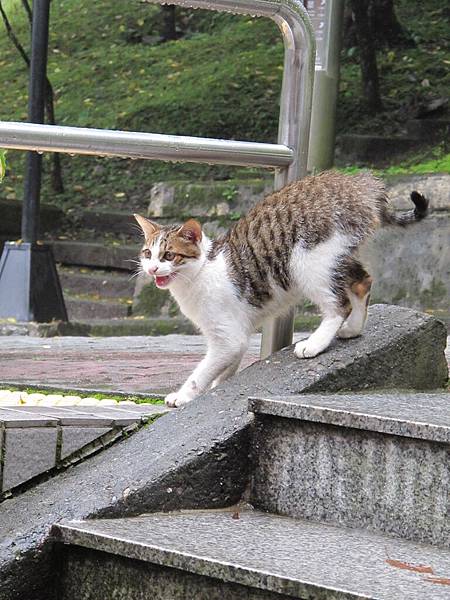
(419,212)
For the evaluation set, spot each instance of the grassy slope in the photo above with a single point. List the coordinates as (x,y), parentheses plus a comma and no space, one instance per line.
(221,80)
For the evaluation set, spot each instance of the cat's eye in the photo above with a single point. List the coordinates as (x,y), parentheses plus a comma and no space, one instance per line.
(146,253)
(169,256)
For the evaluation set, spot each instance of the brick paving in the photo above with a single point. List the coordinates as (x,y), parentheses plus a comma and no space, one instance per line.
(123,364)
(126,364)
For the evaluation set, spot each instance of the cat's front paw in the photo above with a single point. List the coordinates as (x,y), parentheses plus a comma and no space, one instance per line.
(177,399)
(307,349)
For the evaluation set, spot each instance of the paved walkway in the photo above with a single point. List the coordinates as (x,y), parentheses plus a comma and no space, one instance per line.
(122,364)
(127,364)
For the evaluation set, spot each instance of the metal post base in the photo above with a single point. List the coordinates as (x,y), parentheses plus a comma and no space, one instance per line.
(277,334)
(29,284)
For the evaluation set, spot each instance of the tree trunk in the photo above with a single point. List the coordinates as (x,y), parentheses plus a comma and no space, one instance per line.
(169,26)
(385,27)
(368,60)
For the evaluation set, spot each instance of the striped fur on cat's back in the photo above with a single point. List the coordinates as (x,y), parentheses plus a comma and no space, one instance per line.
(300,241)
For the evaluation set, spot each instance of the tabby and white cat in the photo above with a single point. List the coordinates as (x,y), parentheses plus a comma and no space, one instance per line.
(301,241)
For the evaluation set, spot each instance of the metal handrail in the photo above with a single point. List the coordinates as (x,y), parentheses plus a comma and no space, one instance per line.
(290,155)
(103,142)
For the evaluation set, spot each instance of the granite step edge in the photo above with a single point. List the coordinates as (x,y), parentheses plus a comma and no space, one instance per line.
(270,552)
(423,416)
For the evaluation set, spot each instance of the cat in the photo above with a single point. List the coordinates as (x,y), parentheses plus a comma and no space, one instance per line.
(300,241)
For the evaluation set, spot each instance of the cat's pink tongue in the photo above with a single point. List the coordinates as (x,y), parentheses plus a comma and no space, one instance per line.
(162,281)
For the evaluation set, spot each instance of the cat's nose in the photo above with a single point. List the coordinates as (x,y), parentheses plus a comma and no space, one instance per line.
(152,270)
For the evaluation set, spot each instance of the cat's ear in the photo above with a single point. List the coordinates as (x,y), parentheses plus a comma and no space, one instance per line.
(148,227)
(191,230)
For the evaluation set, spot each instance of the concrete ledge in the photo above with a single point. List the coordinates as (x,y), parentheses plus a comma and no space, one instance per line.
(400,348)
(420,416)
(264,553)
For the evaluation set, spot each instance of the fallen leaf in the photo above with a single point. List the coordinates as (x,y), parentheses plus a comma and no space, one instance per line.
(409,567)
(441,580)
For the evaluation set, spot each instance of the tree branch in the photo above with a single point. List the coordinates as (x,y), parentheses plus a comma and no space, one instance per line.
(27,8)
(49,94)
(12,36)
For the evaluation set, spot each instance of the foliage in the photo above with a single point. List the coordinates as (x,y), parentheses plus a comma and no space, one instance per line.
(409,77)
(2,164)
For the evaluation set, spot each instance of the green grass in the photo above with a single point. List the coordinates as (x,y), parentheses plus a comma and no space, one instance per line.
(412,166)
(222,79)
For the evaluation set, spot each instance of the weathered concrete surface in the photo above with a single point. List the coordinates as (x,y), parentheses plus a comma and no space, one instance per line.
(399,348)
(411,267)
(197,456)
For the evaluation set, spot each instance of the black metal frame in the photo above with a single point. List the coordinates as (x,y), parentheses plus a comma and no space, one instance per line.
(30,289)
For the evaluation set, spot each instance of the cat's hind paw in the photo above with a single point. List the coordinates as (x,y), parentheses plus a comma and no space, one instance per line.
(347,332)
(177,399)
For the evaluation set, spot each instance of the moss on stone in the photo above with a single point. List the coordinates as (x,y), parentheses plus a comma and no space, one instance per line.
(152,302)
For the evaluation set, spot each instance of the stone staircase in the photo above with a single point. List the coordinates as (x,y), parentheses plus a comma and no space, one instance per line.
(348,499)
(378,150)
(95,293)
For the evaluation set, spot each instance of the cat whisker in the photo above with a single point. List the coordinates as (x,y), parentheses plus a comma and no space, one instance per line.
(182,275)
(133,275)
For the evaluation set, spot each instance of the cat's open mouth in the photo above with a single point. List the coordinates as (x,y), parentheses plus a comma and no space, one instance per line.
(163,281)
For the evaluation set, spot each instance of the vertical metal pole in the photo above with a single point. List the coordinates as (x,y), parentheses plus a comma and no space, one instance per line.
(326,83)
(294,131)
(36,106)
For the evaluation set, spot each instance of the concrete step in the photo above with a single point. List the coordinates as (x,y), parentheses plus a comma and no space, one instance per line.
(107,284)
(108,221)
(131,326)
(363,149)
(242,555)
(51,218)
(429,129)
(79,309)
(380,462)
(95,254)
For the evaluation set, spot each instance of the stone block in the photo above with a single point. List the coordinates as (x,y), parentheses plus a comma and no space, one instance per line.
(28,451)
(75,438)
(11,210)
(222,199)
(239,554)
(353,477)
